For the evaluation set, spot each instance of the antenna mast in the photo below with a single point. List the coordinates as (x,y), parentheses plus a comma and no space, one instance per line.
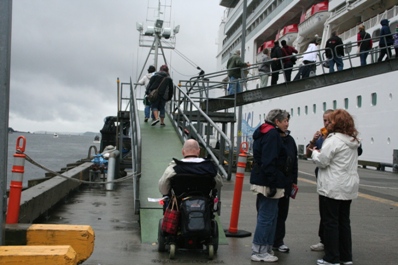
(158,33)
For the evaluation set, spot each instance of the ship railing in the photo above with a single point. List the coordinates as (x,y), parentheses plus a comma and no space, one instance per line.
(352,54)
(350,59)
(209,129)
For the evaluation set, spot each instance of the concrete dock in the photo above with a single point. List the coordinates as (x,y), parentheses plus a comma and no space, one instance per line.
(122,237)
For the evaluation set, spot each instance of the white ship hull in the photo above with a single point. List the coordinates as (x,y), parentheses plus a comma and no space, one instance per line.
(379,106)
(375,123)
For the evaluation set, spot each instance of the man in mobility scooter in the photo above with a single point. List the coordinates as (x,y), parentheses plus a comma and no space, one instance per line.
(194,182)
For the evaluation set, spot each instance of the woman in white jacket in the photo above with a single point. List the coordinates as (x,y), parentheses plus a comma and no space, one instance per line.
(337,185)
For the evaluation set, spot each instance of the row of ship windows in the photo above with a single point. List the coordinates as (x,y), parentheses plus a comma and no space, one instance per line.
(238,24)
(373,102)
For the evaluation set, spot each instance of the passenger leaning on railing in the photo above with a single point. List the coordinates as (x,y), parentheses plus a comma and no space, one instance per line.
(289,61)
(309,60)
(265,68)
(276,65)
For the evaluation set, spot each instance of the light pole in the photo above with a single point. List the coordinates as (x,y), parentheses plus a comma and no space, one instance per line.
(239,138)
(5,58)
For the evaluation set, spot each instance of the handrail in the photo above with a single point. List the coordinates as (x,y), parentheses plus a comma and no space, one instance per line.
(136,145)
(180,105)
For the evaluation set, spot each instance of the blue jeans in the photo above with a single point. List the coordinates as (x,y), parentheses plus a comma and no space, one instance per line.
(363,57)
(267,214)
(234,83)
(147,111)
(339,64)
(159,105)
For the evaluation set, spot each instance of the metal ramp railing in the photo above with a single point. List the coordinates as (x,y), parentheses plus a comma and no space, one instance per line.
(210,129)
(129,134)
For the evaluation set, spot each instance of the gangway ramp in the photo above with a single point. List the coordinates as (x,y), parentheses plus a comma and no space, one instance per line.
(159,145)
(289,88)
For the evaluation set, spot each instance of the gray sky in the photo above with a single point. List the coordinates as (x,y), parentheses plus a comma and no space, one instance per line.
(67,54)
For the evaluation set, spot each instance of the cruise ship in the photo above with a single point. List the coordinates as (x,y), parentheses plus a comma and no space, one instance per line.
(370,97)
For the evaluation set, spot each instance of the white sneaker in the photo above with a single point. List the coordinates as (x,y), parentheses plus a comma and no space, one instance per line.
(322,262)
(155,122)
(282,248)
(347,262)
(266,257)
(317,247)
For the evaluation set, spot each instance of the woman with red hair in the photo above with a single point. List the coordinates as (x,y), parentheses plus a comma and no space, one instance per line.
(337,185)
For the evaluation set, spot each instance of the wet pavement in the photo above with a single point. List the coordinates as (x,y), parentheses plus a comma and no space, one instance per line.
(121,240)
(374,221)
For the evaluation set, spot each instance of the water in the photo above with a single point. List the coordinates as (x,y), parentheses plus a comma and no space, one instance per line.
(53,153)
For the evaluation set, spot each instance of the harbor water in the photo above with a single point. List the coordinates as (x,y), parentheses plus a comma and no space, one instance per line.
(50,152)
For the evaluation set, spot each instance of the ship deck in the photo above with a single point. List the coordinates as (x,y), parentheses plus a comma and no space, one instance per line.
(122,237)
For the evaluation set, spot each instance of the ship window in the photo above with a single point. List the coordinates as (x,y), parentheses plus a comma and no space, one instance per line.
(346,103)
(298,111)
(291,112)
(334,104)
(306,110)
(374,99)
(359,101)
(324,106)
(314,108)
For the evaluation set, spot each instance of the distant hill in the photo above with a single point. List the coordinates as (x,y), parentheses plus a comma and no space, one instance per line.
(11,130)
(91,133)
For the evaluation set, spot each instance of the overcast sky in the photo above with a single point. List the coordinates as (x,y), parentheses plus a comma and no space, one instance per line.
(67,54)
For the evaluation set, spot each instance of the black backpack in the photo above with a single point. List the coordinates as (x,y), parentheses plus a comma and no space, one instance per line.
(196,216)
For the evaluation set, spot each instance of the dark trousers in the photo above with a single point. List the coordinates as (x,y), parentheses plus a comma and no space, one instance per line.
(274,77)
(320,231)
(385,51)
(280,231)
(337,230)
(307,68)
(288,71)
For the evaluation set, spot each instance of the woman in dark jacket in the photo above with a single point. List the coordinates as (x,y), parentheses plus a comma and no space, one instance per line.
(291,171)
(268,180)
(161,81)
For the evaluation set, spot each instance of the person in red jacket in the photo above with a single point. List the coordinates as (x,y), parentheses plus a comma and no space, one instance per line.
(288,62)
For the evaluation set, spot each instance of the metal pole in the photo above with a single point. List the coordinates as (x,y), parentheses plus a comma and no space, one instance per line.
(5,58)
(239,136)
(157,40)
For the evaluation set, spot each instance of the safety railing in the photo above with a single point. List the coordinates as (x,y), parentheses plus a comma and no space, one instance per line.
(350,59)
(203,87)
(136,141)
(190,121)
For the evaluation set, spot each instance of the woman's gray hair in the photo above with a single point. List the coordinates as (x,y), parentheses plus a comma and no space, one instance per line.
(277,114)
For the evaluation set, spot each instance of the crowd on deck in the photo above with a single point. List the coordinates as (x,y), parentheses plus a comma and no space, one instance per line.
(283,58)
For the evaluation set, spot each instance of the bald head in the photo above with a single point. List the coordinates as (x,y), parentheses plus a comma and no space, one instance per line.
(191,148)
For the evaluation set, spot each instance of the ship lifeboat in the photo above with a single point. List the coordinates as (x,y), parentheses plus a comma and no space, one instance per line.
(312,21)
(288,33)
(268,44)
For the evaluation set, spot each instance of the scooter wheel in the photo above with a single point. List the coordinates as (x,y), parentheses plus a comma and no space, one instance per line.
(172,251)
